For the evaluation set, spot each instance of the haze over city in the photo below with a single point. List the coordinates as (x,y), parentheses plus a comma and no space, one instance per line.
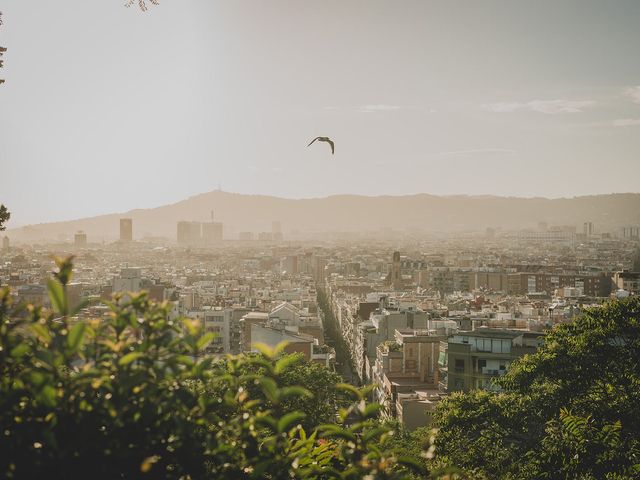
(514,99)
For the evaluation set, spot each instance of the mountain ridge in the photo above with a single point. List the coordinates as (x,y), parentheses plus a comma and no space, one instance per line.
(350,212)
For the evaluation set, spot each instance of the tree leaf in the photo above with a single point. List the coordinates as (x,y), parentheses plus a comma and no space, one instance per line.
(41,331)
(19,350)
(76,335)
(264,349)
(129,357)
(270,389)
(285,362)
(411,463)
(48,396)
(336,431)
(57,296)
(295,390)
(371,410)
(286,421)
(83,304)
(205,340)
(351,390)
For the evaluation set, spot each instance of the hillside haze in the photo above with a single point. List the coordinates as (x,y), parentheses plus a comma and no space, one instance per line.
(425,212)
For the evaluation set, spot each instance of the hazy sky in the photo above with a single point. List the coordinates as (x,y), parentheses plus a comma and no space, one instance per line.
(106,108)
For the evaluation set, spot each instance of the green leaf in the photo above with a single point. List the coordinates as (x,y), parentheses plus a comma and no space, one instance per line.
(19,350)
(371,410)
(295,391)
(264,349)
(57,296)
(83,304)
(279,348)
(374,433)
(129,357)
(48,396)
(41,331)
(267,421)
(184,360)
(270,389)
(261,362)
(192,326)
(350,389)
(290,418)
(205,340)
(76,335)
(285,362)
(335,431)
(411,463)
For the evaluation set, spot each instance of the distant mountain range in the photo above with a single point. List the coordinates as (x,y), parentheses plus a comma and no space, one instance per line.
(424,212)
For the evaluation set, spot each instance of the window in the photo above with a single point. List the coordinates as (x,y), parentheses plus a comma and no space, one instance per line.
(458,384)
(459,365)
(442,359)
(483,344)
(482,364)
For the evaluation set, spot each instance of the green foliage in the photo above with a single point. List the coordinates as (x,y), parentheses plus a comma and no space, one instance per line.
(295,375)
(134,396)
(571,440)
(326,400)
(414,444)
(391,346)
(571,410)
(5,215)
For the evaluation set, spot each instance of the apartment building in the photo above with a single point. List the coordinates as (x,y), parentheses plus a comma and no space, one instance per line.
(407,375)
(472,360)
(381,327)
(129,280)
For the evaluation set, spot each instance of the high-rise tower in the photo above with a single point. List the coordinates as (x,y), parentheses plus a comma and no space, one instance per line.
(126,230)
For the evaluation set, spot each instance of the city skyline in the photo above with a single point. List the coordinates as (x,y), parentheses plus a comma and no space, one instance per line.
(150,108)
(319,218)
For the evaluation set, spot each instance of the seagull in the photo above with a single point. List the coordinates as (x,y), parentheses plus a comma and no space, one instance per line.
(325,139)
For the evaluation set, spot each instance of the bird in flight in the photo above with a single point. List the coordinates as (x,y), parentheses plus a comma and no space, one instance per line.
(325,139)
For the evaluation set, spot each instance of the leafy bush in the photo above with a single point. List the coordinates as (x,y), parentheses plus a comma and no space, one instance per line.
(5,215)
(134,396)
(571,410)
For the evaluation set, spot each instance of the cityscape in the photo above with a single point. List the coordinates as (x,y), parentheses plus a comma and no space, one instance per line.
(442,313)
(320,240)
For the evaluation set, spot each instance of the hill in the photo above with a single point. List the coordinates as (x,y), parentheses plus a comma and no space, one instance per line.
(241,212)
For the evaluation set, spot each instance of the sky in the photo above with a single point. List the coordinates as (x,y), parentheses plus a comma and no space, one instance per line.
(107,108)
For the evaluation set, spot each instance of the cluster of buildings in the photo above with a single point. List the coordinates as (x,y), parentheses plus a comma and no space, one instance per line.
(189,233)
(455,318)
(242,295)
(416,319)
(199,233)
